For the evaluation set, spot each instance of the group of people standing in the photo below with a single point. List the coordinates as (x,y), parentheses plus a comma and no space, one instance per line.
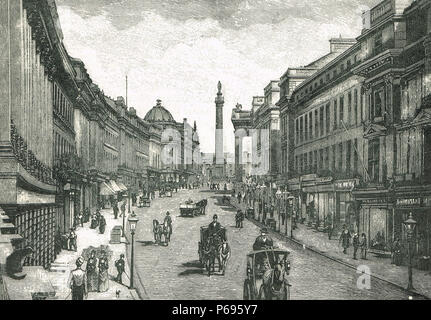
(356,242)
(95,277)
(98,220)
(97,273)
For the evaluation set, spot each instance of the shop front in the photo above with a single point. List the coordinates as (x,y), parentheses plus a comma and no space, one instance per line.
(106,194)
(346,211)
(376,218)
(320,203)
(419,205)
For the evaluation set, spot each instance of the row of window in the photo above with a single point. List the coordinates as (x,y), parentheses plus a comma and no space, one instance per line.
(62,146)
(328,76)
(61,104)
(111,138)
(317,122)
(341,157)
(110,161)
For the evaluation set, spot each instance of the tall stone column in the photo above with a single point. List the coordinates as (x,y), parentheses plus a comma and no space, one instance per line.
(219,155)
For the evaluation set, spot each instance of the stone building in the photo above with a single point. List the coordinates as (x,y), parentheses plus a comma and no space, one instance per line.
(65,146)
(356,131)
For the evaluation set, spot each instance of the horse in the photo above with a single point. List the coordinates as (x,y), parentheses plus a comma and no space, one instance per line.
(211,253)
(275,285)
(223,256)
(161,229)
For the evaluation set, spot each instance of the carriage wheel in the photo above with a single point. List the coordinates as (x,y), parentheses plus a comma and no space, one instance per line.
(246,291)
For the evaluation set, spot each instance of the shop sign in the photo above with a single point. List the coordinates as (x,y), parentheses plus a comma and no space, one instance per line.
(374,201)
(409,202)
(345,185)
(324,180)
(427,201)
(309,177)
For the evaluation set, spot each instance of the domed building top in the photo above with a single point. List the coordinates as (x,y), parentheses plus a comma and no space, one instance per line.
(159,114)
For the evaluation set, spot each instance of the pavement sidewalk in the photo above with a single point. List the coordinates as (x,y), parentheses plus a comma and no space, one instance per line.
(380,268)
(87,237)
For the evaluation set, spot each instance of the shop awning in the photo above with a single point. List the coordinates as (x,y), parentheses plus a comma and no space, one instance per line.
(121,186)
(106,190)
(114,186)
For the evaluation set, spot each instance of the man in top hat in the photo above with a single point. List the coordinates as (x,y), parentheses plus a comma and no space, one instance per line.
(78,281)
(214,227)
(263,241)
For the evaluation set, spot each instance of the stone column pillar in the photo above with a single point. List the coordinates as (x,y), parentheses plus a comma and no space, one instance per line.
(10,63)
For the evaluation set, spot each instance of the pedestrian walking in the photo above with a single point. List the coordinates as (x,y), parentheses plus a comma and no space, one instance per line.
(355,242)
(239,197)
(123,208)
(72,240)
(94,221)
(103,273)
(78,281)
(115,208)
(120,265)
(345,239)
(102,224)
(364,246)
(92,276)
(396,252)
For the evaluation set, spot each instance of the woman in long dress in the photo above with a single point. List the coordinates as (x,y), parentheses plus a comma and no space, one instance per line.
(94,221)
(92,276)
(103,273)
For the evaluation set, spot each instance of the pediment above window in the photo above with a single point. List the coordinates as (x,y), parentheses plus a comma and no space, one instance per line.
(374,130)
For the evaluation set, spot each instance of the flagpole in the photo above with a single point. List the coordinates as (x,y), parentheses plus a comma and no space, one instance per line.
(126,91)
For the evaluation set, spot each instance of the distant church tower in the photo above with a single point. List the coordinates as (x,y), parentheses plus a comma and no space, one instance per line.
(219,154)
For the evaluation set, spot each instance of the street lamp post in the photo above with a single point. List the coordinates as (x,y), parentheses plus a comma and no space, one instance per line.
(133,221)
(410,226)
(290,199)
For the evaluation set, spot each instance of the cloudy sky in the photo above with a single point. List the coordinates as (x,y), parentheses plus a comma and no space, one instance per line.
(177,50)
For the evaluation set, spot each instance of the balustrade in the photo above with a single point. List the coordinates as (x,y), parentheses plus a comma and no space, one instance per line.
(28,159)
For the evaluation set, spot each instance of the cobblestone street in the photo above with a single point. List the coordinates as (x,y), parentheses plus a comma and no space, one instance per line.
(174,272)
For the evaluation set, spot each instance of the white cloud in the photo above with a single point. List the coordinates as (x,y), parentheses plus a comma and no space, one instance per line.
(181,62)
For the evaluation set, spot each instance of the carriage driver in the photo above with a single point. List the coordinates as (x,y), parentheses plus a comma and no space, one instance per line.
(263,241)
(214,227)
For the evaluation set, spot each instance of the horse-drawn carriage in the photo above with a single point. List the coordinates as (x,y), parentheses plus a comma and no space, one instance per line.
(213,247)
(191,209)
(144,201)
(267,272)
(165,192)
